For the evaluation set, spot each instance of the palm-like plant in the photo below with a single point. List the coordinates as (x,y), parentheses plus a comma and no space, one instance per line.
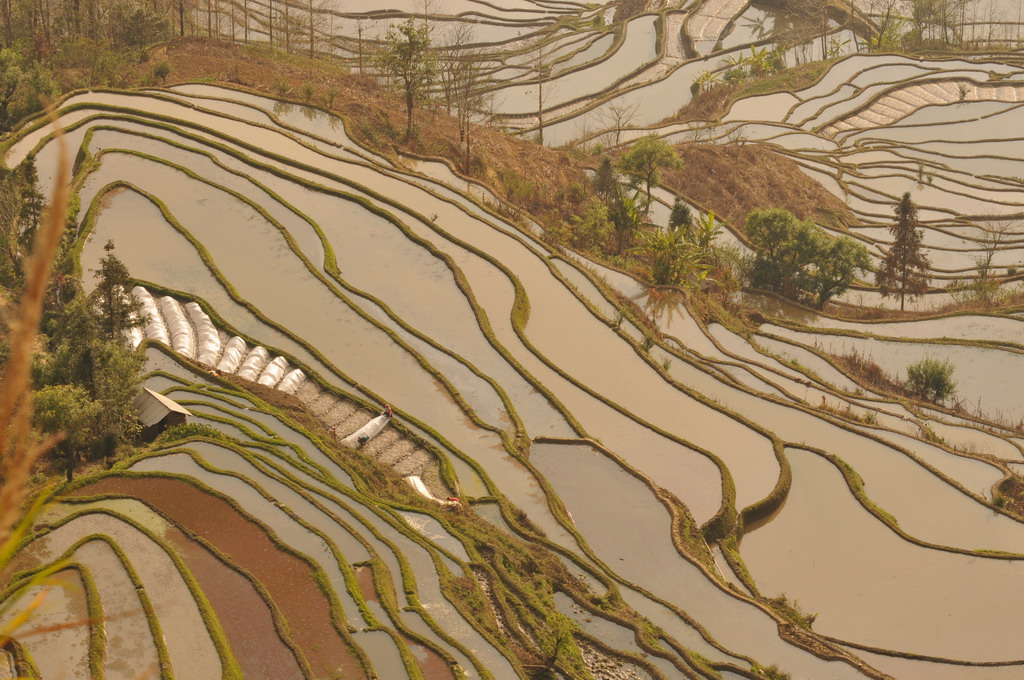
(679,255)
(706,80)
(626,214)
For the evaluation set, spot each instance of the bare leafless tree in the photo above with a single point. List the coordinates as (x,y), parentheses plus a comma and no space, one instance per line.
(542,68)
(359,35)
(996,234)
(450,60)
(616,117)
(888,21)
(428,9)
(5,9)
(470,97)
(286,24)
(315,17)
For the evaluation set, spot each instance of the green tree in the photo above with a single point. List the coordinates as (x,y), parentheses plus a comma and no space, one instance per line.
(109,370)
(161,70)
(406,58)
(117,310)
(681,215)
(21,87)
(21,209)
(136,25)
(904,269)
(68,409)
(589,230)
(645,160)
(10,78)
(798,259)
(70,357)
(835,267)
(780,242)
(606,181)
(931,379)
(626,217)
(117,379)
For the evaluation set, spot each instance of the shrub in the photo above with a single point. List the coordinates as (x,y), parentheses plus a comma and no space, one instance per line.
(931,435)
(161,70)
(770,673)
(590,229)
(791,611)
(188,431)
(931,379)
(681,215)
(798,259)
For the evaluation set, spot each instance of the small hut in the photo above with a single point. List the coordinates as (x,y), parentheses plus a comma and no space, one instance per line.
(157,413)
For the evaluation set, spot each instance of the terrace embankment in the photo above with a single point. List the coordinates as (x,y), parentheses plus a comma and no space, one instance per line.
(376,115)
(733,179)
(288,579)
(730,179)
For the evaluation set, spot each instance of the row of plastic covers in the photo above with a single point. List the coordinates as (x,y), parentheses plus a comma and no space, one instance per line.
(189,331)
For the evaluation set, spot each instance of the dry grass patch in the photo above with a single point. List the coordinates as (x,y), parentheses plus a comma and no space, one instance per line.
(540,180)
(716,102)
(869,373)
(733,179)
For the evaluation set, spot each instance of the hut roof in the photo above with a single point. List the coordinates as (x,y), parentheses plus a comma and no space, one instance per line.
(154,407)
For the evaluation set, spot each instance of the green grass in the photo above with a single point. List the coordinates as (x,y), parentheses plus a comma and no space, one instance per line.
(786,80)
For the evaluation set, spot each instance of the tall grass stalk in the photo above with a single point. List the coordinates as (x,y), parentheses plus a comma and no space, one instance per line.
(21,447)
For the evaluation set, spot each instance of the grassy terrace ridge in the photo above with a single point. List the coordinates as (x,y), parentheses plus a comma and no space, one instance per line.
(515,169)
(714,104)
(375,116)
(91,163)
(406,530)
(548,184)
(670,506)
(228,661)
(701,415)
(564,584)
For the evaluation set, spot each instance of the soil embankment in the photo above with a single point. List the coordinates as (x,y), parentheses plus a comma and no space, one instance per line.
(289,580)
(733,179)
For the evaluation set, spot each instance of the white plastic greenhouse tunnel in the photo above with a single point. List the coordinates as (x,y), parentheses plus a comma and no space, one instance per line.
(155,328)
(253,363)
(292,382)
(207,337)
(190,331)
(183,339)
(234,351)
(370,430)
(273,372)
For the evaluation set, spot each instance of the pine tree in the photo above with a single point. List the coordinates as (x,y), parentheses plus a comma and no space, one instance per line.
(606,181)
(117,311)
(681,215)
(904,269)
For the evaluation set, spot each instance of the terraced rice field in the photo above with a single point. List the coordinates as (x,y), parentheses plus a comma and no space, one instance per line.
(669,485)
